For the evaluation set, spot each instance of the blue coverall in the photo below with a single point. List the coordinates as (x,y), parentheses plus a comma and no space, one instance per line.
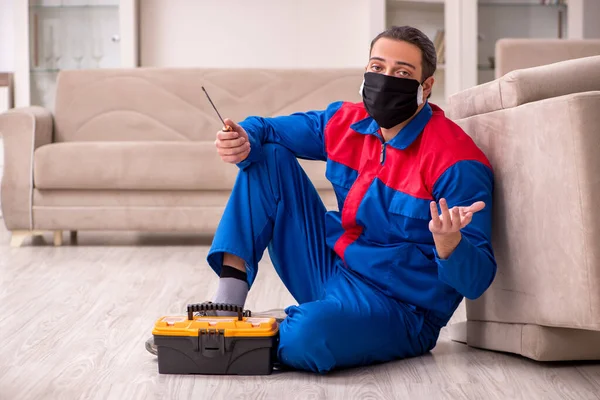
(368,281)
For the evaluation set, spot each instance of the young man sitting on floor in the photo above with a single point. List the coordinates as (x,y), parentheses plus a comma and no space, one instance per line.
(377,280)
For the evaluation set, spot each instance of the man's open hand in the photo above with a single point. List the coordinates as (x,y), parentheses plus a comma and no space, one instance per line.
(233,146)
(447,225)
(453,220)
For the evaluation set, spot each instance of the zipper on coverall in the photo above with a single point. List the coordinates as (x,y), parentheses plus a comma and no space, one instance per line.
(383,146)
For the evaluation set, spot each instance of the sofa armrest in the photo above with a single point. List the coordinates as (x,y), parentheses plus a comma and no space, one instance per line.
(23,131)
(527,86)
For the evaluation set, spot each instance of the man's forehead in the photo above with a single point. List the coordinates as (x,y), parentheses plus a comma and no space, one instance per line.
(391,50)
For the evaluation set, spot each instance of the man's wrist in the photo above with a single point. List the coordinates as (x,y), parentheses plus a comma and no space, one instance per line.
(446,244)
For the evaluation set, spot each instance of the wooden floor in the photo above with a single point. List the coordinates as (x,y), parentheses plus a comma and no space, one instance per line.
(73,321)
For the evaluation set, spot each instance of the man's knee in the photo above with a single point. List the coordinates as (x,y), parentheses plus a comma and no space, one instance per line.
(267,170)
(303,341)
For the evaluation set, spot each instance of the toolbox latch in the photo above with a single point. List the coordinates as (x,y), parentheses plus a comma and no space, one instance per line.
(212,342)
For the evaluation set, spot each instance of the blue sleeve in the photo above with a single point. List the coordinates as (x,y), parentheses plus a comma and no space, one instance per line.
(471,267)
(301,133)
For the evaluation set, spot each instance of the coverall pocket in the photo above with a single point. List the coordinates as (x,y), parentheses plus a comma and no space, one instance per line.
(405,205)
(408,219)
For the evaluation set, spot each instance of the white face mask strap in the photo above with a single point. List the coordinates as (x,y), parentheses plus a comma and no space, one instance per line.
(420,95)
(362,85)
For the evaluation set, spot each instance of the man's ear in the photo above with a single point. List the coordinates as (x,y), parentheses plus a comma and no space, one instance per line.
(427,86)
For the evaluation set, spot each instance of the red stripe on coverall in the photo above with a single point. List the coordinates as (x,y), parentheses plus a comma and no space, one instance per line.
(355,196)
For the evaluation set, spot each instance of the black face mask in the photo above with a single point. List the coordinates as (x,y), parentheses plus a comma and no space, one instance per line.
(391,100)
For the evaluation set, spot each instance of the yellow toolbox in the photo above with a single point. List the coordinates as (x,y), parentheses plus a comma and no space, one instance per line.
(239,345)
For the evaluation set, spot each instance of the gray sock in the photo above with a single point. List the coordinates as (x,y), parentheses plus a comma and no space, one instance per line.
(233,288)
(231,291)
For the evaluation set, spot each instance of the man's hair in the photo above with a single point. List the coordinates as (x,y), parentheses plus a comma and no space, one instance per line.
(416,37)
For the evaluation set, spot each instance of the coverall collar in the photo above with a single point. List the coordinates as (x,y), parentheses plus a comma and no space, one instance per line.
(406,136)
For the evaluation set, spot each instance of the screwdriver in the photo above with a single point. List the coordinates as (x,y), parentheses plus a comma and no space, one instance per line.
(226,128)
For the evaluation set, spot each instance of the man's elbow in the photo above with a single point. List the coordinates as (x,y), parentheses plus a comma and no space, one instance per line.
(474,294)
(478,288)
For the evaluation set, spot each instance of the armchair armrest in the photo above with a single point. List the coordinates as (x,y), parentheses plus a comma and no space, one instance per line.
(546,233)
(23,131)
(527,86)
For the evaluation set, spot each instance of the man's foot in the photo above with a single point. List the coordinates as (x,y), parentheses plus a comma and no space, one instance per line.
(151,347)
(277,313)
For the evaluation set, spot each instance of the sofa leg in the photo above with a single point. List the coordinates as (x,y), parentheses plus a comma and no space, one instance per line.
(18,237)
(58,238)
(73,237)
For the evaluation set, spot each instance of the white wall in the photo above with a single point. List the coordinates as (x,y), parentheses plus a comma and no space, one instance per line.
(7,40)
(255,34)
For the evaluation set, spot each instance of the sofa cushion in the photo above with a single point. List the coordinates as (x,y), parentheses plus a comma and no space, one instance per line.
(114,199)
(527,86)
(197,211)
(131,165)
(168,104)
(140,166)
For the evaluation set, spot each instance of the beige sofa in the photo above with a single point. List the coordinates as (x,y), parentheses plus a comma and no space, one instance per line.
(540,128)
(134,149)
(512,54)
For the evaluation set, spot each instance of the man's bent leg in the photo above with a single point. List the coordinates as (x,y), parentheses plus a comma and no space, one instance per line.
(353,325)
(273,203)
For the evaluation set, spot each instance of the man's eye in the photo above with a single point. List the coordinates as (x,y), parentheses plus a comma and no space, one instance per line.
(403,73)
(375,67)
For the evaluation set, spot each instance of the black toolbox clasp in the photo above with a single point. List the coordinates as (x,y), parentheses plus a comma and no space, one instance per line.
(211,342)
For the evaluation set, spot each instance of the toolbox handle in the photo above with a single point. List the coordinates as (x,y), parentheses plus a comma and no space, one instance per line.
(192,308)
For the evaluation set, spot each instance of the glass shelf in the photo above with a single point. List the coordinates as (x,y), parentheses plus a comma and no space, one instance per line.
(415,2)
(44,70)
(427,5)
(68,7)
(70,35)
(500,3)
